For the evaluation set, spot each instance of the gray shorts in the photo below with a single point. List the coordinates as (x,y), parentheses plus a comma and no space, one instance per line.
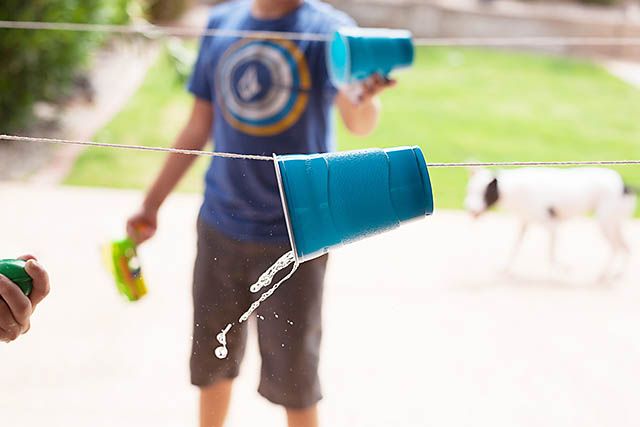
(289,323)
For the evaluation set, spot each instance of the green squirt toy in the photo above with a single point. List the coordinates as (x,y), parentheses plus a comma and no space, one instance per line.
(13,269)
(121,258)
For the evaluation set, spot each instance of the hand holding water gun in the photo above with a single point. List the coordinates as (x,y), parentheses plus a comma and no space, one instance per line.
(23,284)
(121,256)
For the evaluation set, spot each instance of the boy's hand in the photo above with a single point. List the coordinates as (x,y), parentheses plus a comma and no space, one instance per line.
(15,307)
(373,86)
(359,106)
(360,93)
(143,225)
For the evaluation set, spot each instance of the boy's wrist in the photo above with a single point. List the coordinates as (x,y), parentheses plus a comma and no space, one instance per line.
(150,205)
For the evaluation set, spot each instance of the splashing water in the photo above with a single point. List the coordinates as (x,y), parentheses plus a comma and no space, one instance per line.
(282,263)
(266,277)
(222,351)
(264,281)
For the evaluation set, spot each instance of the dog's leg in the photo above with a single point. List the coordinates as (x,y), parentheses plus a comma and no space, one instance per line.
(605,275)
(610,217)
(552,226)
(554,265)
(516,247)
(552,244)
(625,253)
(611,232)
(625,212)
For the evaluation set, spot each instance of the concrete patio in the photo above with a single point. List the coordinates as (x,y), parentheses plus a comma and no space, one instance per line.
(420,327)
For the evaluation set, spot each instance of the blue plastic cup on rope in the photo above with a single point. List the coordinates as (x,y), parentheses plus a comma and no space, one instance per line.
(354,54)
(336,198)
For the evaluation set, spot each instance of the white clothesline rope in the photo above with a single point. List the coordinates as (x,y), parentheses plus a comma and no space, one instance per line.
(153,31)
(134,147)
(30,139)
(530,41)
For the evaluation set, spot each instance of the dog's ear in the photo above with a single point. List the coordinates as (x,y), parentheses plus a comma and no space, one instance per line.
(492,193)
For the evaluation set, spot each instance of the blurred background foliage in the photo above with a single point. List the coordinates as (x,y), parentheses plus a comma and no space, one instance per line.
(41,65)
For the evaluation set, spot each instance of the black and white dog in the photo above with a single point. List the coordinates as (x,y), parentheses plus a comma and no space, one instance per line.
(548,196)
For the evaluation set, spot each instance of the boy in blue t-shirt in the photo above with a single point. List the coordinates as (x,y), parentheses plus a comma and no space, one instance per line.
(257,96)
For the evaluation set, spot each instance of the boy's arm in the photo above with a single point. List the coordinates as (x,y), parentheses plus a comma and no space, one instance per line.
(361,117)
(194,136)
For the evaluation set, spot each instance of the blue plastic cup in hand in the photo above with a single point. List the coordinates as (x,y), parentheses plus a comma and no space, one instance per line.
(354,54)
(336,198)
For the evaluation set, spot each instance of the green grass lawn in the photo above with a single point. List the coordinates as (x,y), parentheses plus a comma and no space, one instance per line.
(456,104)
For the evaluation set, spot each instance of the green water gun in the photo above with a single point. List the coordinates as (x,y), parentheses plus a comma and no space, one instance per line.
(13,269)
(122,259)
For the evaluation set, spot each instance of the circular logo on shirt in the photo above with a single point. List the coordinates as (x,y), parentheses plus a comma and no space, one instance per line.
(262,86)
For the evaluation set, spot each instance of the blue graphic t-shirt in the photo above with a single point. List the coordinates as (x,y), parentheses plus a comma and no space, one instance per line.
(269,96)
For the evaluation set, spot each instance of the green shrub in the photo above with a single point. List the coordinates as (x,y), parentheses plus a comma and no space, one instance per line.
(39,65)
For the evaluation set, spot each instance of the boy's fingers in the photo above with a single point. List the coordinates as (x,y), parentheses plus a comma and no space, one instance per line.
(13,334)
(136,236)
(374,85)
(17,302)
(4,336)
(382,83)
(138,229)
(40,281)
(26,257)
(390,82)
(378,81)
(9,328)
(132,232)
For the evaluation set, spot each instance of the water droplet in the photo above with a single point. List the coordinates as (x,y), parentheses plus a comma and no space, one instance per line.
(275,314)
(222,339)
(221,352)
